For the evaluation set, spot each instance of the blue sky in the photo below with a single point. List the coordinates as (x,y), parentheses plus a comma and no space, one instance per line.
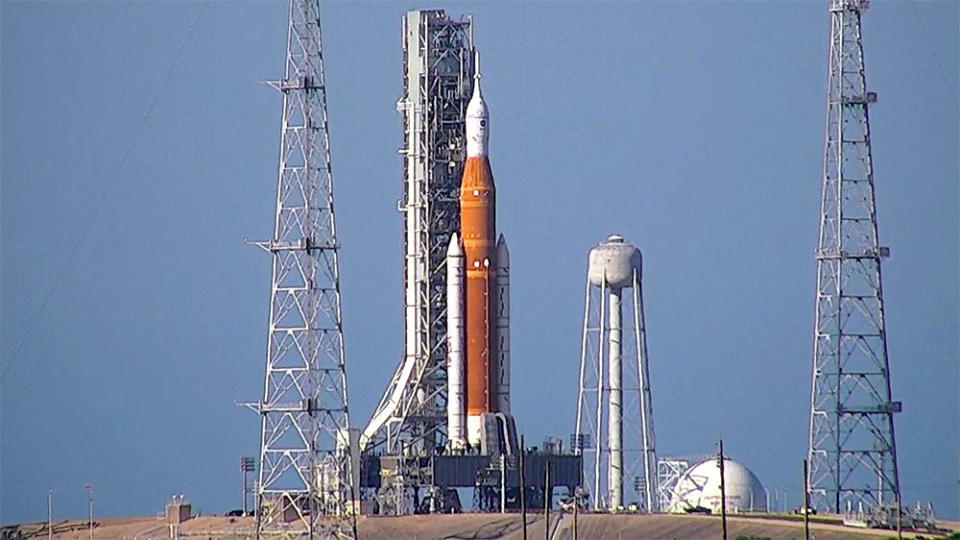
(131,175)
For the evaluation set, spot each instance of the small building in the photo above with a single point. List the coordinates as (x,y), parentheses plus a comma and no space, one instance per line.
(178,510)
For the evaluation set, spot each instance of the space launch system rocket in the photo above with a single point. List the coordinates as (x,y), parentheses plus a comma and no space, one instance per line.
(478,304)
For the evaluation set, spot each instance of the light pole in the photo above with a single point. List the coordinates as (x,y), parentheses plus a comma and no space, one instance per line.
(246,465)
(50,515)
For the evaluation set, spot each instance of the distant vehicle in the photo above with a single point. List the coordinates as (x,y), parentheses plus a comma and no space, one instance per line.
(697,510)
(810,510)
(235,513)
(447,501)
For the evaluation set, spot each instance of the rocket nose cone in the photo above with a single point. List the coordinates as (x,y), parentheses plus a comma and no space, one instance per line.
(477,107)
(454,249)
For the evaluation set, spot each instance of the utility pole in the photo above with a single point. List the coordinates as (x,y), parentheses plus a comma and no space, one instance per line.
(546,502)
(523,485)
(852,446)
(723,492)
(90,507)
(576,510)
(806,502)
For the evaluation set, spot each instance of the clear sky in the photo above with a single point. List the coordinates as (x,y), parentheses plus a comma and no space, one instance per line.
(131,173)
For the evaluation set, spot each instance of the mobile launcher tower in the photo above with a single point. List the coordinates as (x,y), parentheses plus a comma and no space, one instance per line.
(444,420)
(438,73)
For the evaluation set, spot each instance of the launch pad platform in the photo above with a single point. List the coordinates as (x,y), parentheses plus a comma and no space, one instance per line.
(467,471)
(397,485)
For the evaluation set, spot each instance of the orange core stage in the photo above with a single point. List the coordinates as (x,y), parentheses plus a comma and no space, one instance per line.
(477,218)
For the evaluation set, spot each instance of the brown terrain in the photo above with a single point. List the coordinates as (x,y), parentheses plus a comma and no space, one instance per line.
(482,527)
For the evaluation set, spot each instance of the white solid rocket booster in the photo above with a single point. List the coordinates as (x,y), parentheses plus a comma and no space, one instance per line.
(456,395)
(502,283)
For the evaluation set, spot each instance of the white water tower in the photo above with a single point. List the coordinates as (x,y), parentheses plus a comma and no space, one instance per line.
(615,265)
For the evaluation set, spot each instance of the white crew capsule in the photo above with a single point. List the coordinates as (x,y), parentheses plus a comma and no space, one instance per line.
(478,118)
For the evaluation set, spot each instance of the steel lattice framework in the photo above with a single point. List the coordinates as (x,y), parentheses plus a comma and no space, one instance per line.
(438,71)
(637,445)
(669,473)
(306,480)
(852,448)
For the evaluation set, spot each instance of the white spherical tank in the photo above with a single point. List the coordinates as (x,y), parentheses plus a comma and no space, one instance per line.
(616,259)
(700,487)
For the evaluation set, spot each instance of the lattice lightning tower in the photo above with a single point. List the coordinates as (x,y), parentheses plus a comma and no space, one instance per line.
(306,478)
(852,451)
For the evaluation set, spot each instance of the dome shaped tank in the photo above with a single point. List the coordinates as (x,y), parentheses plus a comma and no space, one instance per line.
(616,258)
(700,487)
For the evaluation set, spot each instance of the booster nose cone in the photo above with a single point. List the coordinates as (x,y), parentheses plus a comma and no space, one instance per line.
(478,117)
(454,249)
(503,254)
